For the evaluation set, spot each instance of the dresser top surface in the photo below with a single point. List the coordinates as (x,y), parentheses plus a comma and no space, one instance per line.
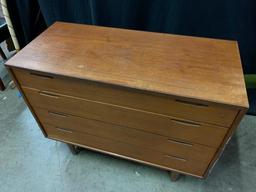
(200,68)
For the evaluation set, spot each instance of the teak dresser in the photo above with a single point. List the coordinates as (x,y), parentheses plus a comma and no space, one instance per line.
(165,100)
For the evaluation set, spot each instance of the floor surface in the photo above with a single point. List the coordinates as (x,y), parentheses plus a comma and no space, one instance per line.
(30,162)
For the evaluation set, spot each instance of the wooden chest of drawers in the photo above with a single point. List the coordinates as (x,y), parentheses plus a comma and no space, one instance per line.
(164,100)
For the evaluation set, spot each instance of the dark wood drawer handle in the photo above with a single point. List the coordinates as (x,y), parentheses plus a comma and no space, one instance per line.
(64,130)
(187,123)
(41,75)
(191,103)
(176,158)
(47,94)
(180,142)
(57,114)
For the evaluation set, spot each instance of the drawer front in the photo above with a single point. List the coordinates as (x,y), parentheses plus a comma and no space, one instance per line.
(71,123)
(202,112)
(163,125)
(168,161)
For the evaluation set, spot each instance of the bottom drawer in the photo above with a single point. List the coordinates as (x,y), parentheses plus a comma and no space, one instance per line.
(129,151)
(126,135)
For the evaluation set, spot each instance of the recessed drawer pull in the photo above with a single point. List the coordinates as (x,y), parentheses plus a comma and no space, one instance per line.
(191,103)
(41,75)
(64,130)
(187,123)
(47,94)
(176,158)
(57,114)
(180,142)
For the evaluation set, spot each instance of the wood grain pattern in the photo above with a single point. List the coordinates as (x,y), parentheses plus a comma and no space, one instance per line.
(127,135)
(200,68)
(164,100)
(163,125)
(173,106)
(132,151)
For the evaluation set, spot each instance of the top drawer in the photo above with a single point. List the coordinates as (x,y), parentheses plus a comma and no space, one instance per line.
(179,107)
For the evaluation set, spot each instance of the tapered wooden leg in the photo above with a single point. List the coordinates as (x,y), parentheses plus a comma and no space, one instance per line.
(74,149)
(2,54)
(174,176)
(2,87)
